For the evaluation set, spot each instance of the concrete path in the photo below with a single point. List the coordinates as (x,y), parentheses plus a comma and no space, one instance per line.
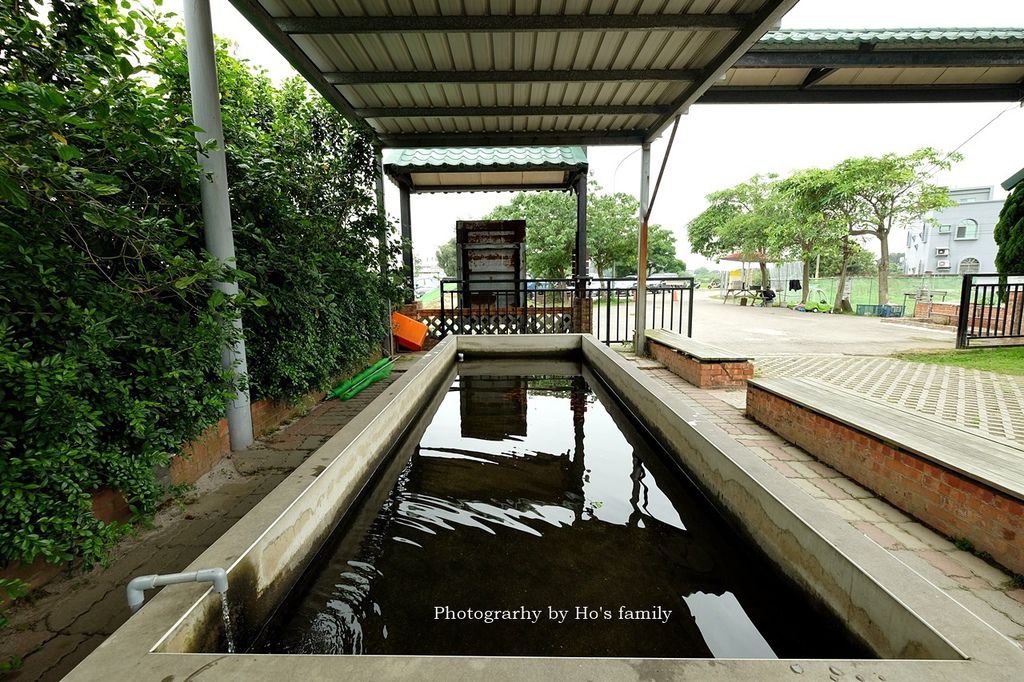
(991,403)
(71,616)
(983,589)
(779,331)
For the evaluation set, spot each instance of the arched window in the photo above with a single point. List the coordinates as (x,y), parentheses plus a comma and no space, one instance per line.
(967,229)
(969,266)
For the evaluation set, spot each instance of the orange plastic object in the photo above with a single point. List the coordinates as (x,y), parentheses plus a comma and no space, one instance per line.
(408,332)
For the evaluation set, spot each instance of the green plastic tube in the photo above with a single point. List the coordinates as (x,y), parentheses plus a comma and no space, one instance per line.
(339,390)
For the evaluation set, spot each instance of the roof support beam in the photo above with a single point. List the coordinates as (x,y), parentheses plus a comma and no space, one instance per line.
(756,25)
(768,58)
(520,138)
(510,24)
(814,76)
(256,15)
(853,94)
(554,110)
(558,76)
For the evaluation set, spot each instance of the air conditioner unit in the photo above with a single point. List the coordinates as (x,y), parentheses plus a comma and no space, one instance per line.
(942,265)
(941,252)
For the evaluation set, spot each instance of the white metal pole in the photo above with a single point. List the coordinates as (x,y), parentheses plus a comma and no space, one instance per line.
(213,186)
(639,336)
(382,240)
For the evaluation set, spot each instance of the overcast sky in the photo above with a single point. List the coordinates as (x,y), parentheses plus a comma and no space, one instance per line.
(718,146)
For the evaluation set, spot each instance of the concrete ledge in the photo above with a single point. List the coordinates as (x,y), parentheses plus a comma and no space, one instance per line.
(961,484)
(265,551)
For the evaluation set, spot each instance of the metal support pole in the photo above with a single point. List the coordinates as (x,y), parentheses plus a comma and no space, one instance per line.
(407,261)
(582,269)
(382,241)
(639,336)
(213,186)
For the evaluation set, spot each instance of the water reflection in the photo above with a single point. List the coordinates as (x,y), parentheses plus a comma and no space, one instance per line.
(538,492)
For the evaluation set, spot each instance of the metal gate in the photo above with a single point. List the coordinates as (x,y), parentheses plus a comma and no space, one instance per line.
(603,307)
(991,311)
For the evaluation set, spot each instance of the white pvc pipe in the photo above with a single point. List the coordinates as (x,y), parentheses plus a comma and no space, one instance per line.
(137,586)
(213,186)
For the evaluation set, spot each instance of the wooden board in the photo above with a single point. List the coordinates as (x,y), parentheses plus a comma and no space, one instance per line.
(701,352)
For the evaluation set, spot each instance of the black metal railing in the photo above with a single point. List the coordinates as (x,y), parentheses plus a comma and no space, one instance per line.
(603,307)
(991,311)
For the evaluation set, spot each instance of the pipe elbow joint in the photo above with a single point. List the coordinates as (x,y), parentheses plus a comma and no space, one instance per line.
(137,590)
(217,576)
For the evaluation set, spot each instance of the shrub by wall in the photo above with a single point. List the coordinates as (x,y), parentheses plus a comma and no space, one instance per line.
(110,337)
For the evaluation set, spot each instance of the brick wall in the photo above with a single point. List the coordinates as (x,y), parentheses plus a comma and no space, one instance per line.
(999,318)
(702,374)
(202,454)
(951,503)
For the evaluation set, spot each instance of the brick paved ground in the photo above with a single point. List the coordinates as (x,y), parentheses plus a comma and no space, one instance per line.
(982,588)
(989,402)
(71,616)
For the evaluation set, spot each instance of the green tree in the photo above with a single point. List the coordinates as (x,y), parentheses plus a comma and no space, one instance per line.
(446,257)
(550,230)
(890,192)
(805,228)
(1009,234)
(740,218)
(612,229)
(859,261)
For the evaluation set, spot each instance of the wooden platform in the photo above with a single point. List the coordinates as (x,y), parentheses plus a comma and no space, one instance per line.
(701,364)
(961,482)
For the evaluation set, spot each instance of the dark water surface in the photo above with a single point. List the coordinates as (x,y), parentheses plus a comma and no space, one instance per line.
(525,496)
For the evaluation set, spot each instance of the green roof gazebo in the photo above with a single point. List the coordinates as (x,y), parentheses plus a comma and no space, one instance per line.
(489,169)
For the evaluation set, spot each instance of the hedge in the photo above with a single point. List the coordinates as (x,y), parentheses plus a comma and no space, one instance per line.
(110,332)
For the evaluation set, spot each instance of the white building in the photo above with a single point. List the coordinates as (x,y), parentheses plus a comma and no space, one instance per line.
(961,240)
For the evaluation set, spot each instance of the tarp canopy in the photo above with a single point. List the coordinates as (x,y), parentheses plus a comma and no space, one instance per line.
(461,169)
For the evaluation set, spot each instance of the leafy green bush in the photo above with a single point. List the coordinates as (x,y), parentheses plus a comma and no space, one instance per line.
(1009,234)
(109,340)
(110,332)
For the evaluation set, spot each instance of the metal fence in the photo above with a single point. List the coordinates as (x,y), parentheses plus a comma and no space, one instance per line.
(603,307)
(991,311)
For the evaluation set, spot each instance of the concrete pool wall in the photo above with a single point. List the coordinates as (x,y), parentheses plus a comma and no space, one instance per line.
(882,601)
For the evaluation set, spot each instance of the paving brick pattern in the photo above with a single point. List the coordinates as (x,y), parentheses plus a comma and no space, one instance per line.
(71,616)
(985,590)
(990,403)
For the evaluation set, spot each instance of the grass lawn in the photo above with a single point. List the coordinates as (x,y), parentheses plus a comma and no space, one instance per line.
(1002,360)
(432,296)
(864,290)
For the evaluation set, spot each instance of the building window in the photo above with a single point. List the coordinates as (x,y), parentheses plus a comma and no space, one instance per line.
(945,229)
(969,266)
(967,229)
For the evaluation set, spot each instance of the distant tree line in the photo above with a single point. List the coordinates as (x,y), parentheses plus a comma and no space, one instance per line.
(823,213)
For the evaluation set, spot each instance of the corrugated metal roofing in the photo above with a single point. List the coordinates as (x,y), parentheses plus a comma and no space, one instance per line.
(932,36)
(467,73)
(455,169)
(487,158)
(512,72)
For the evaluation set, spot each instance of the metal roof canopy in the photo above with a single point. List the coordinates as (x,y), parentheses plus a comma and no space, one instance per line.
(509,72)
(547,72)
(486,169)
